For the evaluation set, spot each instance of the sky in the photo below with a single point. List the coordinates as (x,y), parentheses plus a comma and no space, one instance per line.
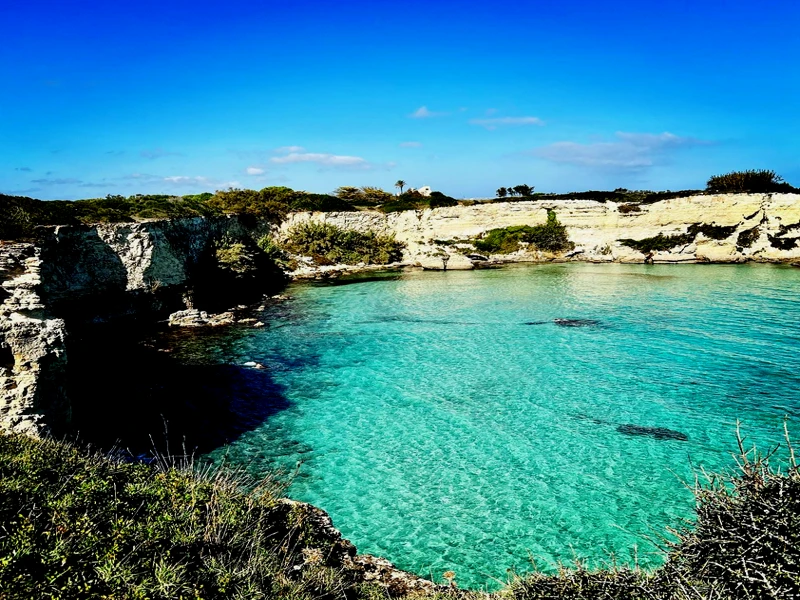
(180,97)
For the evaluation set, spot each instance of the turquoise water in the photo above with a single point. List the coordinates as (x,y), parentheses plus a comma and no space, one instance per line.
(446,422)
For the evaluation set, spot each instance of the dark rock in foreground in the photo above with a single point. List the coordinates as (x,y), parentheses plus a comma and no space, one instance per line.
(660,433)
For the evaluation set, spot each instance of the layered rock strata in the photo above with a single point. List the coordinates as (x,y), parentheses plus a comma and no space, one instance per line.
(756,227)
(75,276)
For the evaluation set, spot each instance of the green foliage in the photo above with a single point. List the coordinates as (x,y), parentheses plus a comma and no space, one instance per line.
(753,181)
(658,243)
(78,525)
(274,203)
(714,232)
(329,244)
(363,196)
(439,200)
(502,192)
(551,237)
(748,237)
(236,256)
(628,208)
(413,200)
(663,243)
(410,200)
(86,526)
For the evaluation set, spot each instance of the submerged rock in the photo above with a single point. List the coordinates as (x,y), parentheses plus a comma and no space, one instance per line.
(660,433)
(576,322)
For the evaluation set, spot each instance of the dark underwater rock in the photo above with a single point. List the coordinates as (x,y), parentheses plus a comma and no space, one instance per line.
(576,322)
(660,433)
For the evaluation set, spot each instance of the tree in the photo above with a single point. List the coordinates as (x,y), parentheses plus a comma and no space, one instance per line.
(400,184)
(502,192)
(523,190)
(348,192)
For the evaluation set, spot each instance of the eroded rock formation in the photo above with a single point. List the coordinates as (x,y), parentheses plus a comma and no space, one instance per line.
(75,276)
(719,228)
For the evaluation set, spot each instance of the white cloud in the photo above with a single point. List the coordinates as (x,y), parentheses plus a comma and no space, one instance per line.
(629,151)
(288,149)
(490,111)
(423,113)
(254,171)
(326,160)
(411,144)
(503,121)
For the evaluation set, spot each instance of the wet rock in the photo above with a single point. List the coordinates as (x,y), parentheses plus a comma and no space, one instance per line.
(660,433)
(254,365)
(477,257)
(197,318)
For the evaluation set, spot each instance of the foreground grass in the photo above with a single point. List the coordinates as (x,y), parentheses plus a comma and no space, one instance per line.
(74,525)
(78,525)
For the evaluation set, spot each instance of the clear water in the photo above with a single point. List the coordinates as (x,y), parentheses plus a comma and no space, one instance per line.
(443,431)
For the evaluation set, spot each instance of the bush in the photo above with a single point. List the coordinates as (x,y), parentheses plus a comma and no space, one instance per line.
(78,525)
(752,181)
(363,196)
(628,208)
(659,243)
(345,246)
(87,526)
(550,237)
(235,256)
(439,200)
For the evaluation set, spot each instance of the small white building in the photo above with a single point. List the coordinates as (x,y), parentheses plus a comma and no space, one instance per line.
(425,190)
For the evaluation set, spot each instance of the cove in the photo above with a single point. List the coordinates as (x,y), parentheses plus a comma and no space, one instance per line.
(469,421)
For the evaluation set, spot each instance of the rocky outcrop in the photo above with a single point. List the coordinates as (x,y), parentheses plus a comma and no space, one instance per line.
(77,276)
(754,227)
(33,370)
(325,544)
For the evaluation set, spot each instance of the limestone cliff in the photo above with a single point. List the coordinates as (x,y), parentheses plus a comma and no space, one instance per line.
(72,277)
(762,227)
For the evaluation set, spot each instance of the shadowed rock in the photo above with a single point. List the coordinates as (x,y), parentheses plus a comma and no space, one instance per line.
(576,322)
(660,433)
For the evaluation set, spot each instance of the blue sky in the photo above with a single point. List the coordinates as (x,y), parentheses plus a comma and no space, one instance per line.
(181,97)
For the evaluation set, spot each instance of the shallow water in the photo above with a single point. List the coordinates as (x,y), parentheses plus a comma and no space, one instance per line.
(446,421)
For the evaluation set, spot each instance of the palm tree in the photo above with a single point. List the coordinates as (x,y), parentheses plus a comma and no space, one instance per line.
(400,184)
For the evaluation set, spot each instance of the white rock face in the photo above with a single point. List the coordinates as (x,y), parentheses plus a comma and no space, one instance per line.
(33,366)
(74,267)
(596,228)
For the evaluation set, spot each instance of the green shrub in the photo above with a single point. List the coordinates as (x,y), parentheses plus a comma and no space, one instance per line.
(551,237)
(410,200)
(658,243)
(271,248)
(754,181)
(715,232)
(347,246)
(628,208)
(236,256)
(85,526)
(439,200)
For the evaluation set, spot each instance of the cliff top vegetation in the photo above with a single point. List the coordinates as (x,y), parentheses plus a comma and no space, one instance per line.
(19,215)
(77,525)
